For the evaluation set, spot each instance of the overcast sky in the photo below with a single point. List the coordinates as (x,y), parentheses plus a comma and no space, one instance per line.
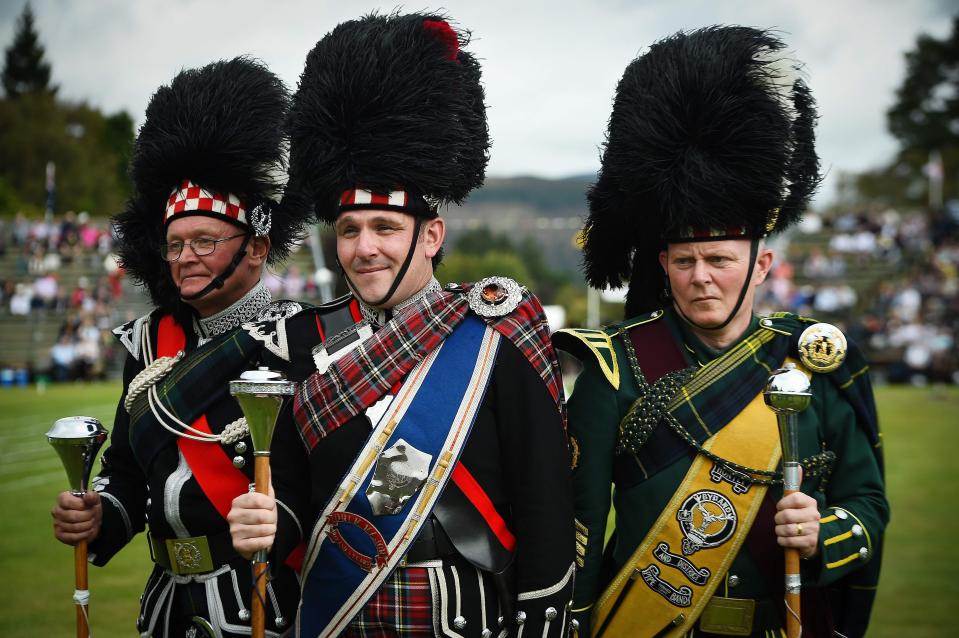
(549,67)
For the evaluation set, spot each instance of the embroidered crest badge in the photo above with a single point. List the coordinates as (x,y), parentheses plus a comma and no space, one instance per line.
(707,519)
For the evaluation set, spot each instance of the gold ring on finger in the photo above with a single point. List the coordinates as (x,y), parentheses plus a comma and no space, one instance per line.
(798,529)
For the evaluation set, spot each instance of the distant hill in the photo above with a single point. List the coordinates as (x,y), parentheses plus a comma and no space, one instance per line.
(549,210)
(545,195)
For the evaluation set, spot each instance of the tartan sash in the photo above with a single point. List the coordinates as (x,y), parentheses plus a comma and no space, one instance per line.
(711,399)
(194,385)
(667,582)
(213,470)
(357,380)
(353,550)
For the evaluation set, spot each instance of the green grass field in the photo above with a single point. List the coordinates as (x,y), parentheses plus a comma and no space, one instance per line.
(917,591)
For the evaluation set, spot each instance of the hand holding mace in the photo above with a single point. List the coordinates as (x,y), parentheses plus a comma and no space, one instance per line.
(77,439)
(787,394)
(261,394)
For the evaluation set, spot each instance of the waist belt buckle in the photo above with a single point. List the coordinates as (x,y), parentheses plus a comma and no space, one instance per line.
(189,555)
(728,616)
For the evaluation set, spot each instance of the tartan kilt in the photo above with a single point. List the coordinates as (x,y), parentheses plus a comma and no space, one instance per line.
(421,602)
(403,606)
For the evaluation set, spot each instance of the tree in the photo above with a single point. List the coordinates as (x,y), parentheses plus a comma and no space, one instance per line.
(90,150)
(926,113)
(479,252)
(25,72)
(924,118)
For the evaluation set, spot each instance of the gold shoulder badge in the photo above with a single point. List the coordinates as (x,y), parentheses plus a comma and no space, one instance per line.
(822,347)
(495,296)
(579,343)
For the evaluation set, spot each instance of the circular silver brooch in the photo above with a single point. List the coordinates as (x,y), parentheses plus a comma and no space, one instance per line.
(494,296)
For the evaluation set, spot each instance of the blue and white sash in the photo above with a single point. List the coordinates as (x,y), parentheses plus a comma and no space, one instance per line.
(352,551)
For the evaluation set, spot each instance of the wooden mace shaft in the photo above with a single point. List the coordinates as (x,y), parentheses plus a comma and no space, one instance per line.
(80,584)
(261,473)
(793,618)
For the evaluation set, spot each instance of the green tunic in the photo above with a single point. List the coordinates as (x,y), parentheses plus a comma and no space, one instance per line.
(852,501)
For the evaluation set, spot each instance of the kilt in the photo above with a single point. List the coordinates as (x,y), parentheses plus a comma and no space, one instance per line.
(403,606)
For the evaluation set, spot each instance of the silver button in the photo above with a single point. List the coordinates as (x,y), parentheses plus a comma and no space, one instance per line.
(856,530)
(238,462)
(240,447)
(244,614)
(487,634)
(520,617)
(767,322)
(459,623)
(863,553)
(501,621)
(842,515)
(280,622)
(574,624)
(551,613)
(733,580)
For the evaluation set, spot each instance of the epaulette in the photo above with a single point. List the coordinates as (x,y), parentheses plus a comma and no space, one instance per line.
(130,334)
(335,316)
(635,321)
(584,344)
(280,309)
(784,323)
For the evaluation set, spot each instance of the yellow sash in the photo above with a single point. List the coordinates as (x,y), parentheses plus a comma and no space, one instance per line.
(663,588)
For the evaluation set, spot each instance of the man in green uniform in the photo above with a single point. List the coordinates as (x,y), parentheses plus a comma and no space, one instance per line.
(710,149)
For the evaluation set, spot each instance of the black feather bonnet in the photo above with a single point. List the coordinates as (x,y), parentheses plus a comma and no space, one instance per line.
(218,130)
(708,134)
(388,103)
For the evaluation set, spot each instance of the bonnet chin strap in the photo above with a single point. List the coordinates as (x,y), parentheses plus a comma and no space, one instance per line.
(753,253)
(399,276)
(217,282)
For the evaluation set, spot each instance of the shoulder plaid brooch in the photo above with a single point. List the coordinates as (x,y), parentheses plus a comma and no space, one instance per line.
(494,296)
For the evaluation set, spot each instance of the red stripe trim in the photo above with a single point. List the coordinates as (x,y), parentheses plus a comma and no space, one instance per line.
(170,337)
(355,310)
(294,559)
(220,481)
(379,199)
(465,481)
(212,468)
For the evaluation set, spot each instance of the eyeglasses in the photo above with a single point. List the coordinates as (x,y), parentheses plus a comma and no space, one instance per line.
(201,246)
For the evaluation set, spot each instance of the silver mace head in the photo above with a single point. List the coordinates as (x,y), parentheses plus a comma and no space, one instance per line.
(77,439)
(261,393)
(787,394)
(787,390)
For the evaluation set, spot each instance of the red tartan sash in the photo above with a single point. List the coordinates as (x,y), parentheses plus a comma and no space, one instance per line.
(361,378)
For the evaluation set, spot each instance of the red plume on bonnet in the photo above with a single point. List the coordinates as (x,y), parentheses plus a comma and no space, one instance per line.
(444,32)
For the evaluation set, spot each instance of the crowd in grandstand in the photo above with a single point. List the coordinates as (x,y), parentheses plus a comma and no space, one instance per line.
(36,253)
(907,317)
(907,321)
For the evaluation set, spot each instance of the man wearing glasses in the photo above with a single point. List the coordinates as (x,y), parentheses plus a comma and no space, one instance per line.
(197,233)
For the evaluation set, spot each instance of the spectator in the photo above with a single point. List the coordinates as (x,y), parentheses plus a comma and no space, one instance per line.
(62,359)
